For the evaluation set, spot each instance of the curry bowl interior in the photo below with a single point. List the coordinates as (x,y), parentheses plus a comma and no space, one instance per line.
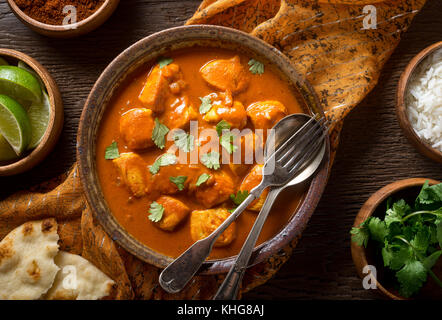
(143,53)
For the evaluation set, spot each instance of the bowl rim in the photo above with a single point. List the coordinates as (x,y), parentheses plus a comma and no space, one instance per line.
(401,109)
(291,230)
(55,125)
(60,28)
(358,253)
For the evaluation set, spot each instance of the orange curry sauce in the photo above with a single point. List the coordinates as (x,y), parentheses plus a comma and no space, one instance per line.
(133,212)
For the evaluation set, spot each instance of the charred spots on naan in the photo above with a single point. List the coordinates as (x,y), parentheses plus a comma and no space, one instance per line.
(6,251)
(27,229)
(34,270)
(48,226)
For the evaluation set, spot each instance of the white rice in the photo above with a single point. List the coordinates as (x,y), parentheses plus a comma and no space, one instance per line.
(424,100)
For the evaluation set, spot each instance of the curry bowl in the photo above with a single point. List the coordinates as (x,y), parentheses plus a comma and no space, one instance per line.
(142,54)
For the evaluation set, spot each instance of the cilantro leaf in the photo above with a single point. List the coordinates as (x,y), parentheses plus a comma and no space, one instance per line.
(159,134)
(430,197)
(227,141)
(156,212)
(202,179)
(397,212)
(256,67)
(112,152)
(206,105)
(239,197)
(163,61)
(165,160)
(222,125)
(431,260)
(395,256)
(421,240)
(211,160)
(178,181)
(438,224)
(411,278)
(184,141)
(378,229)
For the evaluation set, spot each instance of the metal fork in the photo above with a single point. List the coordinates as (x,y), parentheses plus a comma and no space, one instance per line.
(278,170)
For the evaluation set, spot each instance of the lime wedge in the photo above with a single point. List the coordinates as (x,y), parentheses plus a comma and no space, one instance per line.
(6,151)
(24,66)
(39,114)
(3,62)
(14,124)
(19,84)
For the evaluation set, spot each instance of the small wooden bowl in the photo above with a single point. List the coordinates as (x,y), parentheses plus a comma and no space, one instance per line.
(401,110)
(55,122)
(69,31)
(407,189)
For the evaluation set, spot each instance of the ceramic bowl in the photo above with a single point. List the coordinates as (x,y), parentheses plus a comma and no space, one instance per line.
(28,161)
(149,49)
(69,31)
(376,205)
(401,108)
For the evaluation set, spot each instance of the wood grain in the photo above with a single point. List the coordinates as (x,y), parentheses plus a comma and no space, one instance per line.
(373,151)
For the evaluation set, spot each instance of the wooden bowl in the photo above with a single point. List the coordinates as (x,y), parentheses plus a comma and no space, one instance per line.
(149,49)
(69,31)
(407,189)
(55,125)
(401,110)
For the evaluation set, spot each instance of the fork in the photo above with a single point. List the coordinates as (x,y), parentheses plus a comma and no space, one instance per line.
(279,168)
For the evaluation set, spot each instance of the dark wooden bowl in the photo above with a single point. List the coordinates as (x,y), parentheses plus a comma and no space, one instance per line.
(407,189)
(401,108)
(55,125)
(148,50)
(58,31)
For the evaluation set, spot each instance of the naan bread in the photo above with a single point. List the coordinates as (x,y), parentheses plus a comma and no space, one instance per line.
(27,268)
(91,283)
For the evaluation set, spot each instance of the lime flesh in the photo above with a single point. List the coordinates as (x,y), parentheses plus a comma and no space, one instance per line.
(6,151)
(19,84)
(24,66)
(39,115)
(14,124)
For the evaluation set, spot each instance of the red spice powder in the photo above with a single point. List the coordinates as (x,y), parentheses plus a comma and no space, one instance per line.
(51,11)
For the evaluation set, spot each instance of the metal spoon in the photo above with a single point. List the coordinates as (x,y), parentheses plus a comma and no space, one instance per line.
(280,167)
(230,287)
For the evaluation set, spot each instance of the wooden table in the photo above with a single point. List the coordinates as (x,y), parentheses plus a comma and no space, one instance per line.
(373,150)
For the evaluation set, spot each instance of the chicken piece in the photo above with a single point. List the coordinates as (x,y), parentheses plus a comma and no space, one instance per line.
(236,115)
(265,114)
(251,181)
(158,84)
(136,126)
(132,171)
(217,190)
(204,222)
(180,113)
(226,75)
(174,213)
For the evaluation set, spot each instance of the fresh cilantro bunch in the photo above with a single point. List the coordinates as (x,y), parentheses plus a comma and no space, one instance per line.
(410,238)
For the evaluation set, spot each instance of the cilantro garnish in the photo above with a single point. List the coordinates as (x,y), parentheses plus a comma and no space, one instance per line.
(239,197)
(409,238)
(206,105)
(163,61)
(165,160)
(202,179)
(179,181)
(156,212)
(256,67)
(222,125)
(211,160)
(184,141)
(159,134)
(227,141)
(112,152)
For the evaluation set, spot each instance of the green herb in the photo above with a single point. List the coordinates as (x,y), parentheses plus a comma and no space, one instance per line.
(239,197)
(184,141)
(159,134)
(165,160)
(206,105)
(179,181)
(211,160)
(112,152)
(202,179)
(156,212)
(162,62)
(409,237)
(227,141)
(256,67)
(222,125)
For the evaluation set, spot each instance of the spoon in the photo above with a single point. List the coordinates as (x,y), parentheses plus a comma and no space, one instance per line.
(279,168)
(231,284)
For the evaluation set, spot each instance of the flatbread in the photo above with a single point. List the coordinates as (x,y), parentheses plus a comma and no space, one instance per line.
(91,283)
(27,268)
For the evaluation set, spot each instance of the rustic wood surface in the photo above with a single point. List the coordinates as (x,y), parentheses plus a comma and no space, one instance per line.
(373,150)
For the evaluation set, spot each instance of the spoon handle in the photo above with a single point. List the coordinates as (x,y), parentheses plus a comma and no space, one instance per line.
(230,287)
(177,274)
